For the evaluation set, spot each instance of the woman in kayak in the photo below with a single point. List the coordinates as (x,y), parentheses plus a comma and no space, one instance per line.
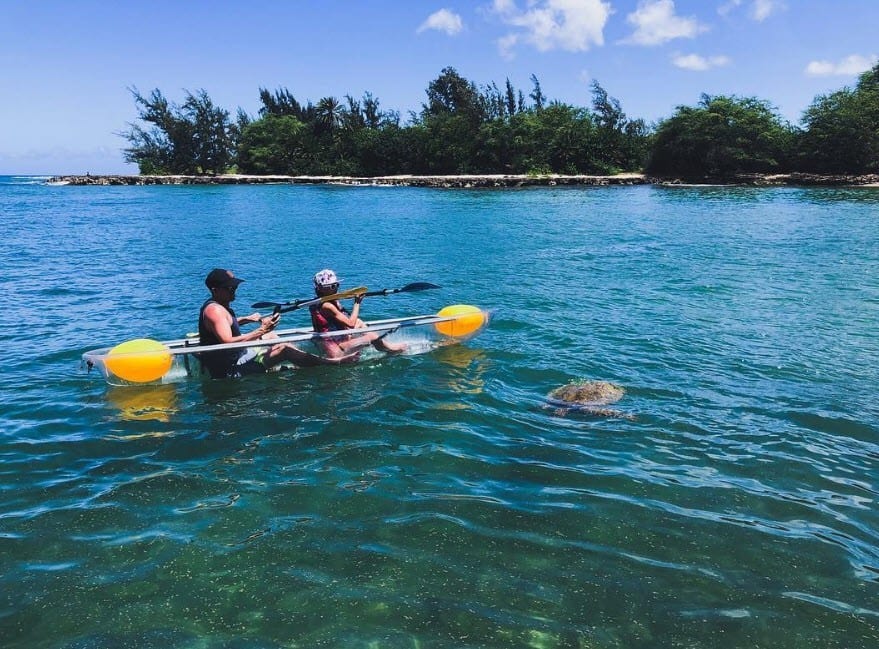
(332,316)
(217,324)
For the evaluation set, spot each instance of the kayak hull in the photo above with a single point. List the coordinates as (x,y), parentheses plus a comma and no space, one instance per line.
(177,360)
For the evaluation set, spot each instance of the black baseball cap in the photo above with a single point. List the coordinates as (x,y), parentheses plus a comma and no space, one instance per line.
(222,278)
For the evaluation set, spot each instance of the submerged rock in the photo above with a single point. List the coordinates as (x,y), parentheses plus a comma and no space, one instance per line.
(587,397)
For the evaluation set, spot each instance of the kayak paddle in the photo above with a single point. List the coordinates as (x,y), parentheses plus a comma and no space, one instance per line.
(284,307)
(414,286)
(353,292)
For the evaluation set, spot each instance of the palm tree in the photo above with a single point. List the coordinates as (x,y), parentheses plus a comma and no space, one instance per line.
(328,114)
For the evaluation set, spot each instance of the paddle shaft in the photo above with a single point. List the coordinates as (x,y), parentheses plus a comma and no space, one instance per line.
(284,307)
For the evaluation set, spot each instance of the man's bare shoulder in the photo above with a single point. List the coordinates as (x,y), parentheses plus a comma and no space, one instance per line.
(216,310)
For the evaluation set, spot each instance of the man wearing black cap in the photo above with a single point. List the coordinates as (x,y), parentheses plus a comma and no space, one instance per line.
(217,323)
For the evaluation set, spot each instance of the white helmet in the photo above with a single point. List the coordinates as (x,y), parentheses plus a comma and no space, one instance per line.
(325,277)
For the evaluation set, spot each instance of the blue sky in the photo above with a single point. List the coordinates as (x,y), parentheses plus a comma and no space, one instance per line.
(65,66)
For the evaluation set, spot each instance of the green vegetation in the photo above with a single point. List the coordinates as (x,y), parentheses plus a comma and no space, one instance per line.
(721,137)
(466,129)
(842,130)
(195,138)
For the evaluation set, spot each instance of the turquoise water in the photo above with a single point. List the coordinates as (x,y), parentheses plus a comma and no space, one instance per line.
(432,501)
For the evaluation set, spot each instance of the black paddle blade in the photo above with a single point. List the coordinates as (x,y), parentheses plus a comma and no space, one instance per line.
(266,305)
(416,286)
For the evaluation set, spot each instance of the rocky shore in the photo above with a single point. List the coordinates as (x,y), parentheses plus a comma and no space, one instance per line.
(463,181)
(472,181)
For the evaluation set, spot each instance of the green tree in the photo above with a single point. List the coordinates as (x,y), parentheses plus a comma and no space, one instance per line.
(452,94)
(281,102)
(213,134)
(567,135)
(329,113)
(721,137)
(537,94)
(622,144)
(274,144)
(195,138)
(389,150)
(510,98)
(452,117)
(841,130)
(165,146)
(495,147)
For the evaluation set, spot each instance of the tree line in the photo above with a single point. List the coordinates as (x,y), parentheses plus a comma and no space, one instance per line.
(463,128)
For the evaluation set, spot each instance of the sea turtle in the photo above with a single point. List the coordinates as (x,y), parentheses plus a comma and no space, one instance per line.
(587,397)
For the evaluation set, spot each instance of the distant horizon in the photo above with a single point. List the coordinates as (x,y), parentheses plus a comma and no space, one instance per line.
(72,98)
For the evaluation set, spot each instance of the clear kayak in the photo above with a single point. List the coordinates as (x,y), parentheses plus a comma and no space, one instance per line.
(146,361)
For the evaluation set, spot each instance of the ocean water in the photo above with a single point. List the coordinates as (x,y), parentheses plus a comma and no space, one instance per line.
(434,500)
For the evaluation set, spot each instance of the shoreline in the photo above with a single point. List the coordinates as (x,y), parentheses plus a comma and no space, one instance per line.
(477,180)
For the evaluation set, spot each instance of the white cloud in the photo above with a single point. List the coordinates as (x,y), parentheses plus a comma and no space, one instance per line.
(442,21)
(758,10)
(849,66)
(728,7)
(506,44)
(699,63)
(656,23)
(571,25)
(762,9)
